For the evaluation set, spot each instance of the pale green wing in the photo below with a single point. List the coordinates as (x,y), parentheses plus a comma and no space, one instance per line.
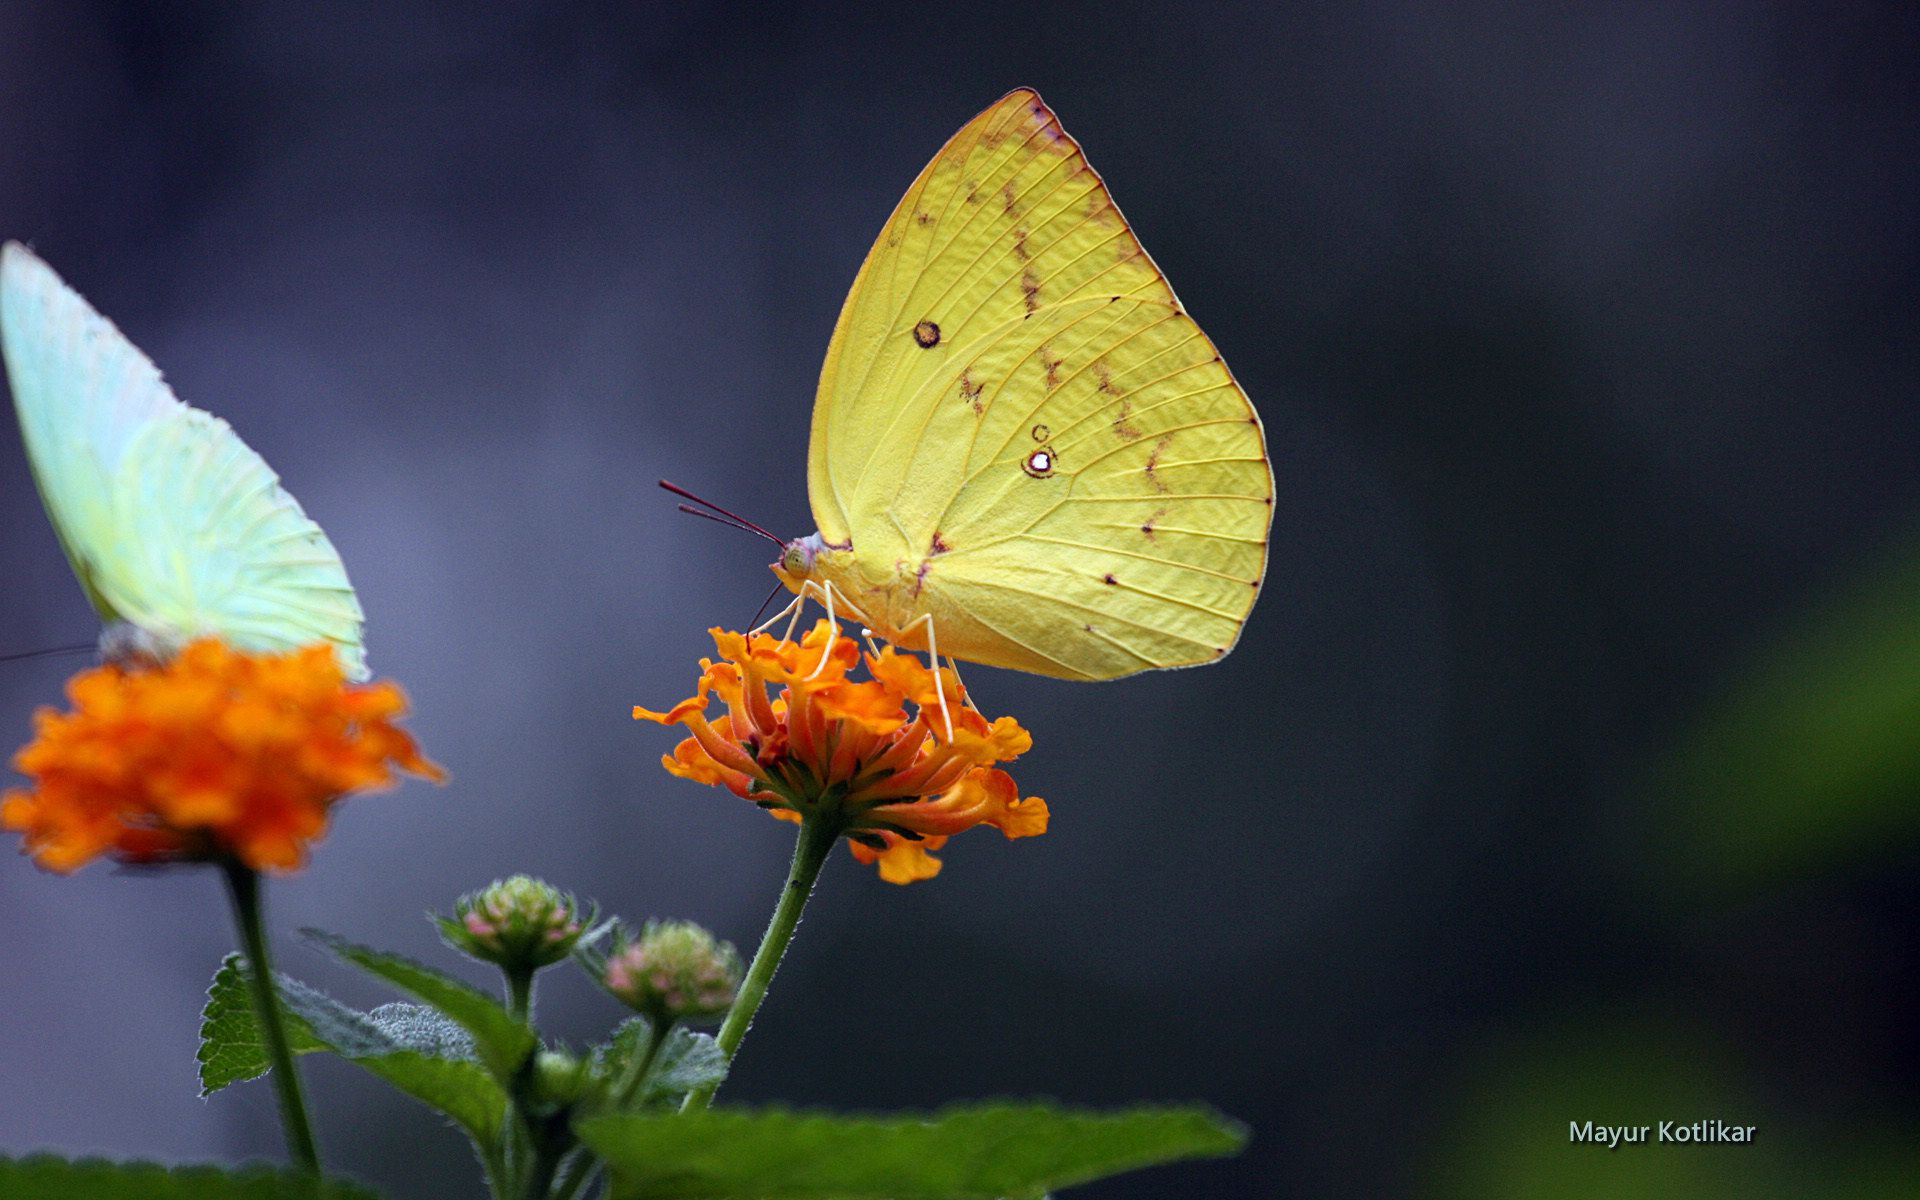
(172,523)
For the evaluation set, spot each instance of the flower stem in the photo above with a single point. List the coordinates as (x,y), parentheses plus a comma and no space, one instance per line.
(520,994)
(243,885)
(817,836)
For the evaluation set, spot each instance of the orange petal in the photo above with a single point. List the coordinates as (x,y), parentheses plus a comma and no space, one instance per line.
(902,861)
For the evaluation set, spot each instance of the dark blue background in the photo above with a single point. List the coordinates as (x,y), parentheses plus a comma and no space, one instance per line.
(1585,343)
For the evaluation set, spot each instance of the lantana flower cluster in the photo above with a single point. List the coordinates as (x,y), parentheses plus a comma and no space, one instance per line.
(216,753)
(876,756)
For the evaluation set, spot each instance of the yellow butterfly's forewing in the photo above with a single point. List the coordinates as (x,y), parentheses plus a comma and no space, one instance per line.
(1023,435)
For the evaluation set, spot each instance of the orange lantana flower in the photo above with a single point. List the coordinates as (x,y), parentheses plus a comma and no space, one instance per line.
(852,751)
(217,753)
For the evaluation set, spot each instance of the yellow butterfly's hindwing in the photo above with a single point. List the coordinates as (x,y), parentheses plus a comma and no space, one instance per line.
(1025,437)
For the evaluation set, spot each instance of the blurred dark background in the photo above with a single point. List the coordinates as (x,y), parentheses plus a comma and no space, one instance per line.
(1567,769)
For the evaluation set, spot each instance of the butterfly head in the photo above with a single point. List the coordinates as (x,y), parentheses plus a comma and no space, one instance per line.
(797,559)
(124,644)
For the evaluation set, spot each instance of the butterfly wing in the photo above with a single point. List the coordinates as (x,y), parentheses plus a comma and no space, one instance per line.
(1067,478)
(1089,495)
(1007,218)
(170,520)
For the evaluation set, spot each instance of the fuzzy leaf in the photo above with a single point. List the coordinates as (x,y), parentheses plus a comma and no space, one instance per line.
(44,1177)
(974,1153)
(502,1042)
(415,1049)
(689,1060)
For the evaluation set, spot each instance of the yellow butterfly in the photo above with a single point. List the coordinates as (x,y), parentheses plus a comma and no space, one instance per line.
(1024,452)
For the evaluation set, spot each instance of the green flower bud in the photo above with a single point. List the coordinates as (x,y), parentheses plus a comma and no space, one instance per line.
(560,1079)
(519,924)
(673,971)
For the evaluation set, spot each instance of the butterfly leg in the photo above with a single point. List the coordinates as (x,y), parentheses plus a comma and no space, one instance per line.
(966,697)
(933,656)
(793,607)
(826,651)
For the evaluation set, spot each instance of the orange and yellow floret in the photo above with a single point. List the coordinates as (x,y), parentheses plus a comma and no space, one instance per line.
(850,750)
(216,753)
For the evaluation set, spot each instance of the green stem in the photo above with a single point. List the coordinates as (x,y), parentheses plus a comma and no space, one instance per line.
(520,994)
(243,885)
(515,1142)
(817,836)
(540,1175)
(579,1173)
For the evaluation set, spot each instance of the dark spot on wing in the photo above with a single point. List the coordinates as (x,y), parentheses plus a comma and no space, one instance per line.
(938,545)
(1123,423)
(927,334)
(970,391)
(1112,580)
(1153,462)
(1030,287)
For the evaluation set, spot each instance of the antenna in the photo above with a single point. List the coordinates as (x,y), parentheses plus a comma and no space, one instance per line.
(24,655)
(724,516)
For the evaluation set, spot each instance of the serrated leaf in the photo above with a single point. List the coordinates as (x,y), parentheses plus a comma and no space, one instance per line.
(415,1049)
(630,1037)
(230,1045)
(974,1153)
(44,1177)
(502,1042)
(689,1060)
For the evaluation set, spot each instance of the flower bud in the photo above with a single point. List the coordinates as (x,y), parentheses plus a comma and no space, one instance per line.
(520,924)
(673,971)
(560,1079)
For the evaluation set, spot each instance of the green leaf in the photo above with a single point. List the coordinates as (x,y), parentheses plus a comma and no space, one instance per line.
(502,1042)
(44,1177)
(1812,758)
(689,1060)
(415,1049)
(974,1153)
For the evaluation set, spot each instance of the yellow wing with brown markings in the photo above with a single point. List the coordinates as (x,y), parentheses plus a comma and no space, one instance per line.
(1105,509)
(1023,435)
(1008,217)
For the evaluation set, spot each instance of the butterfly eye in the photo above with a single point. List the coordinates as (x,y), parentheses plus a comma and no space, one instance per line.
(1039,464)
